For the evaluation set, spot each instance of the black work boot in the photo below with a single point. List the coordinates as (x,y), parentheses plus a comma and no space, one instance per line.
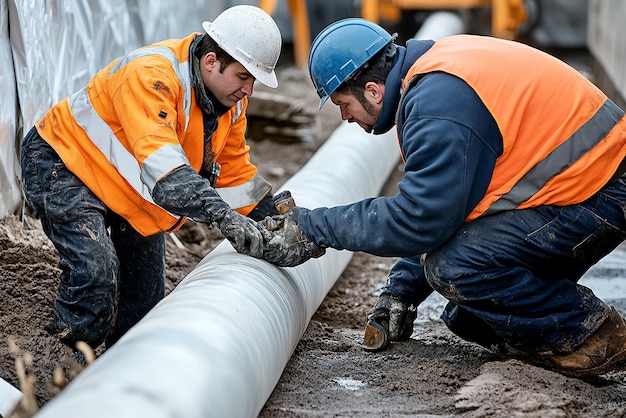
(57,328)
(603,352)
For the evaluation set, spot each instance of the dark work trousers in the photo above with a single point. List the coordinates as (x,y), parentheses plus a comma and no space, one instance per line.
(512,276)
(111,275)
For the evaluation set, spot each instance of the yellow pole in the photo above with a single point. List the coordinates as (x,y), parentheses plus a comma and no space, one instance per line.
(299,24)
(301,31)
(370,10)
(268,5)
(507,15)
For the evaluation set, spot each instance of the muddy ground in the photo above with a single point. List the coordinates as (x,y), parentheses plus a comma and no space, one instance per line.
(329,375)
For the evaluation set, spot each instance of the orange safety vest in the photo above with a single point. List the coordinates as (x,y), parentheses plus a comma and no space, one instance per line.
(563,138)
(135,122)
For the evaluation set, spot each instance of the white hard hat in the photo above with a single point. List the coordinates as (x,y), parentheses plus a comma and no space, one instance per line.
(250,36)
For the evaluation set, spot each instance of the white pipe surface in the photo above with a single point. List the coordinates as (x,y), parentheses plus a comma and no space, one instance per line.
(440,24)
(9,397)
(217,345)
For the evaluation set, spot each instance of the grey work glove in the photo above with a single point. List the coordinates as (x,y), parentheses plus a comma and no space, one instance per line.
(243,233)
(286,245)
(395,315)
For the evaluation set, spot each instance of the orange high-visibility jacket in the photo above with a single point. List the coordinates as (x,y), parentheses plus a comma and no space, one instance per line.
(135,122)
(563,138)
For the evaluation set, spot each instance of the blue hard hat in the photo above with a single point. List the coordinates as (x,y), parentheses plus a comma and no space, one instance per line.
(340,50)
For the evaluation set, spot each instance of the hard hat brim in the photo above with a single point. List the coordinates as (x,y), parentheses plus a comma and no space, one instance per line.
(269,79)
(322,101)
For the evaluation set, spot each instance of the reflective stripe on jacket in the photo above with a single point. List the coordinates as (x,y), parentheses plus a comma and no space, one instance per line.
(135,122)
(563,138)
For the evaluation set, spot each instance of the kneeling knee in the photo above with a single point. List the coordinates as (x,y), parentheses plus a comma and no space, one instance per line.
(442,279)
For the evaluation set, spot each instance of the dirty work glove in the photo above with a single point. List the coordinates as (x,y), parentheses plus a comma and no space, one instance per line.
(242,232)
(264,208)
(286,245)
(395,315)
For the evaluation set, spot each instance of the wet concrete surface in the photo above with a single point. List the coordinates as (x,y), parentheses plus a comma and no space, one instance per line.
(607,278)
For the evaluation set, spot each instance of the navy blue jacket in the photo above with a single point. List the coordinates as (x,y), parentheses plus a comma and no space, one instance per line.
(450,143)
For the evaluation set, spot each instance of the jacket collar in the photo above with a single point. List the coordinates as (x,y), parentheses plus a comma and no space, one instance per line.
(404,59)
(204,98)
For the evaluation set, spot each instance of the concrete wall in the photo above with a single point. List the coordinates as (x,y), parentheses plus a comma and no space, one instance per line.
(607,44)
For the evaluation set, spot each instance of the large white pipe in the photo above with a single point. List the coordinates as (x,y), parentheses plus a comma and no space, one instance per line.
(9,397)
(440,24)
(217,345)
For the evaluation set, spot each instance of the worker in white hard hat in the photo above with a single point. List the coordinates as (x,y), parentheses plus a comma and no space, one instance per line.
(155,137)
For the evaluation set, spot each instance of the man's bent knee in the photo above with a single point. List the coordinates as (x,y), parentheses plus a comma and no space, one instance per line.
(440,277)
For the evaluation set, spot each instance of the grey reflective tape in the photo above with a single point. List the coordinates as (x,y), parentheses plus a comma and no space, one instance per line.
(245,194)
(180,68)
(561,158)
(238,109)
(161,162)
(103,137)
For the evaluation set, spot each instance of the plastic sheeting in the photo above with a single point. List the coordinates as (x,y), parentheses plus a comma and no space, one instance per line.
(9,397)
(607,40)
(10,194)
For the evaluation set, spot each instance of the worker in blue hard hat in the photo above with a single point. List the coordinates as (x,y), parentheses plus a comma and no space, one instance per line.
(513,187)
